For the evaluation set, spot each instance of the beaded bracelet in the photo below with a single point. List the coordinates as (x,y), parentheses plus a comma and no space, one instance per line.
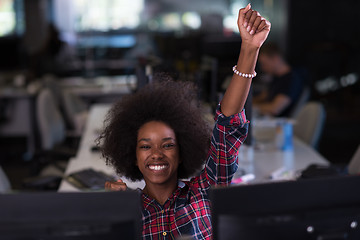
(246,75)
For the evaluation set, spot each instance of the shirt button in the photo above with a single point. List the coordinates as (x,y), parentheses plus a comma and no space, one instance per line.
(164,234)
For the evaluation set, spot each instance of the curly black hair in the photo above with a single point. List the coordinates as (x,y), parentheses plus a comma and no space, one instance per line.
(173,103)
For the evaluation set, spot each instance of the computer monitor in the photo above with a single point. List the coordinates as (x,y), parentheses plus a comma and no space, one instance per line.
(75,216)
(327,208)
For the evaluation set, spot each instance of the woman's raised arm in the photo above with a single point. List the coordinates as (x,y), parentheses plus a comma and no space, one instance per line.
(254,30)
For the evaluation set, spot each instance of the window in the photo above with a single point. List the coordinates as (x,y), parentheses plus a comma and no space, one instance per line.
(7,17)
(95,15)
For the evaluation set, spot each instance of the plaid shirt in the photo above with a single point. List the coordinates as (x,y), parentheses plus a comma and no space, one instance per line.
(187,211)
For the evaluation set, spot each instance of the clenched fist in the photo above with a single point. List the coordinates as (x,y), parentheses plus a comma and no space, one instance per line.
(253,28)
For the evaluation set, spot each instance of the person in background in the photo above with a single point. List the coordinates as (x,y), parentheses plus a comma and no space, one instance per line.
(43,61)
(285,87)
(158,134)
(54,57)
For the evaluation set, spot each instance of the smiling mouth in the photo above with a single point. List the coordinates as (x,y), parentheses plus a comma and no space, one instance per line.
(157,167)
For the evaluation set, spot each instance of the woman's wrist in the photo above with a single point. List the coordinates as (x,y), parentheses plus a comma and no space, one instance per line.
(249,48)
(247,58)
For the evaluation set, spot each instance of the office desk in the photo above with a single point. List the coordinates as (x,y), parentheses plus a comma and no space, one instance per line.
(93,127)
(279,164)
(262,163)
(267,160)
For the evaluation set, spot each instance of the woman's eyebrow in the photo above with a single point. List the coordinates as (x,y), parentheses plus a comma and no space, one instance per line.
(168,138)
(149,140)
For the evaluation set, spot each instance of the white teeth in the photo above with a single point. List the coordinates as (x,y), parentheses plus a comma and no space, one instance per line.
(157,167)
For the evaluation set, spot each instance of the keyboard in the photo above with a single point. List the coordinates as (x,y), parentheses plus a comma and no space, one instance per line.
(89,179)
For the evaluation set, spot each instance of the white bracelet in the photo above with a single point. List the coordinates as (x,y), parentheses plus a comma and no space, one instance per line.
(245,75)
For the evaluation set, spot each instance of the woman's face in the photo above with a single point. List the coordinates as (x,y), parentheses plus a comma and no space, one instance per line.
(157,153)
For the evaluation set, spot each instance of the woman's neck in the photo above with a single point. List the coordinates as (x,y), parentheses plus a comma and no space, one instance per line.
(160,192)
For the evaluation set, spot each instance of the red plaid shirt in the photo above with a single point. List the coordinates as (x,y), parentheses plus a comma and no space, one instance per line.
(187,211)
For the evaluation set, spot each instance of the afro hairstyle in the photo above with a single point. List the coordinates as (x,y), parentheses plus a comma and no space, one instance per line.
(173,103)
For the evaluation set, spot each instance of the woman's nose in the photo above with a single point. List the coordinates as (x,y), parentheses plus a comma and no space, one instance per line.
(157,153)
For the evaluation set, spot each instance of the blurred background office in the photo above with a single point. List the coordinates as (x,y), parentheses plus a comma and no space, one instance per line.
(69,46)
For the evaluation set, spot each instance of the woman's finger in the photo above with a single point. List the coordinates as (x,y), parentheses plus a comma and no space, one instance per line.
(241,18)
(264,24)
(255,25)
(115,186)
(261,26)
(107,185)
(118,187)
(247,17)
(253,17)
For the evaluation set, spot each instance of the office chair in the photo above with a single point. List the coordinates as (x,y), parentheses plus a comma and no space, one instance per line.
(309,123)
(50,122)
(73,109)
(53,154)
(354,165)
(50,82)
(5,185)
(304,97)
(52,131)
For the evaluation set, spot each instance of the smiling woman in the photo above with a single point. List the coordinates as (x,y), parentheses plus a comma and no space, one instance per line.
(159,135)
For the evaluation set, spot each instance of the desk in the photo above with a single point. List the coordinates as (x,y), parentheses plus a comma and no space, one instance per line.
(266,162)
(93,127)
(260,162)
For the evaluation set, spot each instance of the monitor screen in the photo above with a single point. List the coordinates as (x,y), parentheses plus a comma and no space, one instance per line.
(327,208)
(52,216)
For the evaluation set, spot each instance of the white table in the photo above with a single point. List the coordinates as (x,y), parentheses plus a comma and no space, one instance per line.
(267,161)
(262,163)
(279,164)
(93,127)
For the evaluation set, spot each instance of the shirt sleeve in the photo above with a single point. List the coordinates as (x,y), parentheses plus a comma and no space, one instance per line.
(227,136)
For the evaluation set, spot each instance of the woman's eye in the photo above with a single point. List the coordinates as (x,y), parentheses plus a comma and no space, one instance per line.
(144,147)
(170,145)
